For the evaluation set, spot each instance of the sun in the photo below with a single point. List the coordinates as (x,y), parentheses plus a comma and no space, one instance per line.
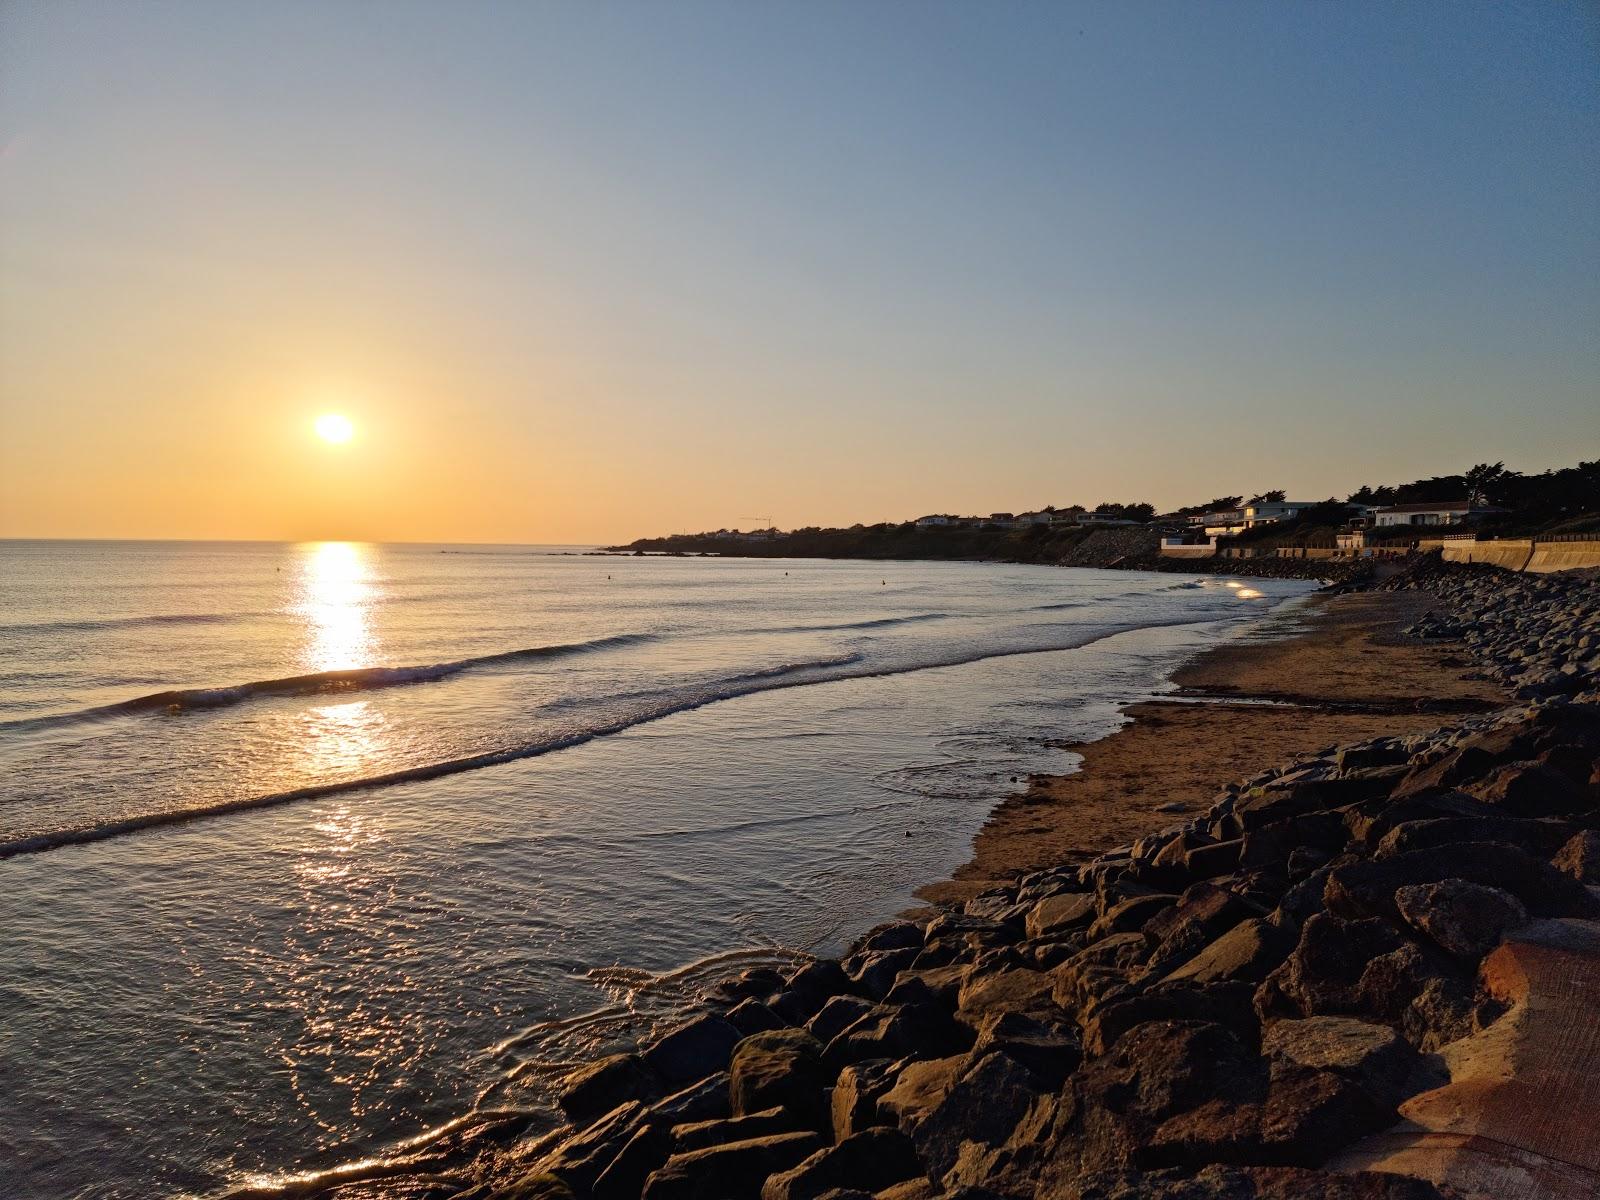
(334,427)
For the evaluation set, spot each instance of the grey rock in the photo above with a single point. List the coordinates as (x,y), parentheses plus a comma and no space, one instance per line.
(1464,919)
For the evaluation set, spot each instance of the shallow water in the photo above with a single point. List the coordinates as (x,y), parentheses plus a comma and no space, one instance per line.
(720,765)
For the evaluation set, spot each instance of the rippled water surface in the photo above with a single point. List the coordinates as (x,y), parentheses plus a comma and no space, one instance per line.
(310,848)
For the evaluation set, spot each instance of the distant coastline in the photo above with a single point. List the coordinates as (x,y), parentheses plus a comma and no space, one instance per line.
(1133,548)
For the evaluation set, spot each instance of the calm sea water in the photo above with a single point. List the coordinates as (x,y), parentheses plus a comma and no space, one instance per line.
(311,848)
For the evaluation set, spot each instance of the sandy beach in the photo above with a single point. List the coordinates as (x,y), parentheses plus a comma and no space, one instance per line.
(1345,676)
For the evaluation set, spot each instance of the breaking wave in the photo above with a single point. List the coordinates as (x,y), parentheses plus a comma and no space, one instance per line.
(357,679)
(663,704)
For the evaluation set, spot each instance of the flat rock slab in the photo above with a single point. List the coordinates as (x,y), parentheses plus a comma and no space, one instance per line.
(1518,1119)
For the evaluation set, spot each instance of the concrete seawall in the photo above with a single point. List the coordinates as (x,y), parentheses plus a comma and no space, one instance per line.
(1563,556)
(1514,554)
(1511,553)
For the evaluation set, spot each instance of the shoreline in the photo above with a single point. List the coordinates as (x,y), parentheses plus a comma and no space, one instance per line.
(1240,706)
(1205,903)
(1342,572)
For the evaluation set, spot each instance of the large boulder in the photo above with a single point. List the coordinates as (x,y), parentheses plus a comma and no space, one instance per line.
(1202,913)
(624,1179)
(1539,837)
(730,1171)
(1305,1116)
(1127,915)
(581,1159)
(1528,789)
(752,1016)
(782,1068)
(1047,1051)
(837,1015)
(1101,966)
(873,1159)
(1474,758)
(1010,1168)
(1062,913)
(917,1090)
(697,1135)
(984,1104)
(703,1101)
(1464,919)
(1365,968)
(874,974)
(1323,974)
(1226,1004)
(1367,889)
(1271,845)
(808,989)
(1372,1056)
(1114,1103)
(855,1096)
(1209,862)
(594,1090)
(896,1031)
(990,994)
(692,1051)
(1247,952)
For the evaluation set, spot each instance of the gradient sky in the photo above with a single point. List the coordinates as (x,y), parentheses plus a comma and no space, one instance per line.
(584,272)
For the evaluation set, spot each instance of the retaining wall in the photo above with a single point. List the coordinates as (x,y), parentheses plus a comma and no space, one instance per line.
(1511,553)
(1563,556)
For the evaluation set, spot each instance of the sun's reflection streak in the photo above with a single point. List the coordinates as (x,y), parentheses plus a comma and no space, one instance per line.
(344,971)
(348,1051)
(341,739)
(337,590)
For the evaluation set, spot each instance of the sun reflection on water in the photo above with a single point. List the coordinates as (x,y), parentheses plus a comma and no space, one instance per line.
(337,590)
(343,738)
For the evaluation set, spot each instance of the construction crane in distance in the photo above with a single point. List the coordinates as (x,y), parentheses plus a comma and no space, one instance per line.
(766,522)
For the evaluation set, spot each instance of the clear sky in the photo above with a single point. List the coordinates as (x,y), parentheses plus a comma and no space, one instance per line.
(590,271)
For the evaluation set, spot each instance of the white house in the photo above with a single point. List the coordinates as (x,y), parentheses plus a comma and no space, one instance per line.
(1094,518)
(935,519)
(1446,512)
(1274,510)
(1221,522)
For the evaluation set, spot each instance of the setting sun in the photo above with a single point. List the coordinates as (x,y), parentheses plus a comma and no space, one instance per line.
(335,427)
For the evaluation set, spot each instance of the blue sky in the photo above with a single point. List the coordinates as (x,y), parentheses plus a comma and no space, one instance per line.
(607,269)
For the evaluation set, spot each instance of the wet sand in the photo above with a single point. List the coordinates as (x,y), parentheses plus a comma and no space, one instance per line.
(1341,674)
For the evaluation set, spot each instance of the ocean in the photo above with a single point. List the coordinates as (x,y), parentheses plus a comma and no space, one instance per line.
(306,849)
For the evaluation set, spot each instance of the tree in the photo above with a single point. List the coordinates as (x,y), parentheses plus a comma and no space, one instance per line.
(1273,497)
(1481,478)
(1127,512)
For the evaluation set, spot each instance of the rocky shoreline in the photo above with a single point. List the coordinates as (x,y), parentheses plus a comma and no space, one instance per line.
(1245,1004)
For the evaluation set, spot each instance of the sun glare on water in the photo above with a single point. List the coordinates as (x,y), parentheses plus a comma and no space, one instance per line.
(335,428)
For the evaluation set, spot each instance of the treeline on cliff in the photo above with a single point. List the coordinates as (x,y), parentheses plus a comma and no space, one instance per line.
(1039,543)
(1566,500)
